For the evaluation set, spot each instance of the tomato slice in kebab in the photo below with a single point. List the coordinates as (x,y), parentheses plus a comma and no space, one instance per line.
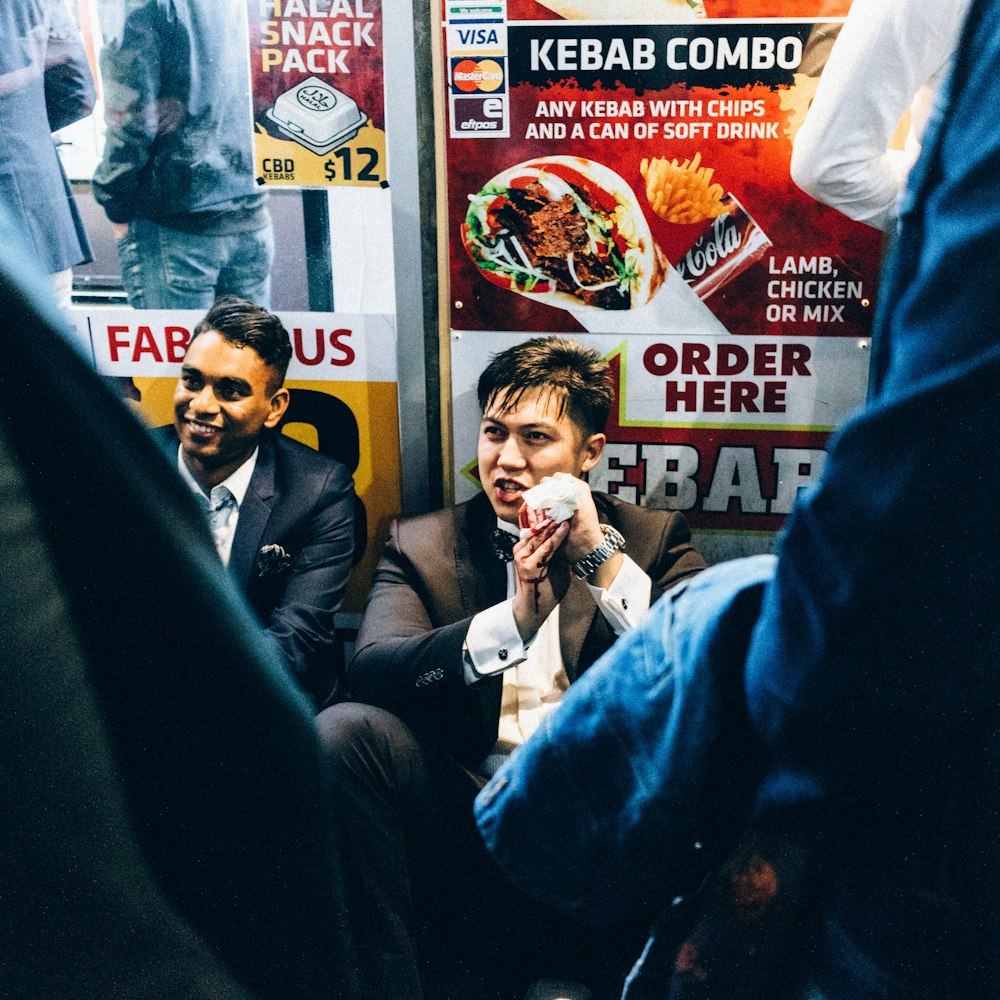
(491,211)
(596,195)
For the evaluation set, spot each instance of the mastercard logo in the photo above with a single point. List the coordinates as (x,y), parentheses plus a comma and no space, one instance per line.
(471,74)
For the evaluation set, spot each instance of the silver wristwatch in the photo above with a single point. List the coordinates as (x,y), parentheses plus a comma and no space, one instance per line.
(613,542)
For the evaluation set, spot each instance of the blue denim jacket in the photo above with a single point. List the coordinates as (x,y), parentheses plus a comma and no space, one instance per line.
(873,673)
(637,785)
(47,86)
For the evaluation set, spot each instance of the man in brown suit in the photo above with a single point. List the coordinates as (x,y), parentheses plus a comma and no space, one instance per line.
(470,638)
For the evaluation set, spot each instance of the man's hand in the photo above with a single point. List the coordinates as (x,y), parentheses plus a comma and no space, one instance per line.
(584,527)
(585,534)
(119,230)
(540,582)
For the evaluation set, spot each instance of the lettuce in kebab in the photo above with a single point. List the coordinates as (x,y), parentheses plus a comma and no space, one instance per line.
(564,230)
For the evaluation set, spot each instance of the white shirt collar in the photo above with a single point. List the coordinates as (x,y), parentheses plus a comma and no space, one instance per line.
(511,529)
(238,483)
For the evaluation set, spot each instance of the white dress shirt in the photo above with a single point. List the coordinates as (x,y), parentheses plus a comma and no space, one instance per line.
(236,485)
(534,677)
(890,56)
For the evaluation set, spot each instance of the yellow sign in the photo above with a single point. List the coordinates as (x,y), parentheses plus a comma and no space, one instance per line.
(358,163)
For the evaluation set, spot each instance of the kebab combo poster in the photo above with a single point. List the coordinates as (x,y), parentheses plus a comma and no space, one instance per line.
(628,183)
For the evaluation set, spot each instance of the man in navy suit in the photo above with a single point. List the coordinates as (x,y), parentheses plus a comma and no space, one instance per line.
(282,514)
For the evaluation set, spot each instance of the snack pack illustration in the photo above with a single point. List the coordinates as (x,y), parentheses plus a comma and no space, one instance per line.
(566,230)
(570,232)
(316,115)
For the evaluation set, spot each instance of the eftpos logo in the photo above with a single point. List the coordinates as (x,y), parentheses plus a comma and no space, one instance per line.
(478,116)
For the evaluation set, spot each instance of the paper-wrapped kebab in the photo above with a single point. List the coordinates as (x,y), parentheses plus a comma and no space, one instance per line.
(567,231)
(558,496)
(647,11)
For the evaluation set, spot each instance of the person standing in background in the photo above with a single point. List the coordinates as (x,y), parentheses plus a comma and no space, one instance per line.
(889,58)
(45,85)
(176,179)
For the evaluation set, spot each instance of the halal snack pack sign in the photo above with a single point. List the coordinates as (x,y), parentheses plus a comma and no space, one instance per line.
(318,103)
(642,185)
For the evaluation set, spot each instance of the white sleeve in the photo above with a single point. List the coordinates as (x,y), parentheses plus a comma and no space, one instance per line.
(626,601)
(493,643)
(886,52)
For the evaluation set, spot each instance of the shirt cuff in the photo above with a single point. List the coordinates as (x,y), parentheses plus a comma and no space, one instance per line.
(493,643)
(626,601)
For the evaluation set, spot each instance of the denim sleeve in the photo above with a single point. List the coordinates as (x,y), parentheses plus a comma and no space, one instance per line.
(637,784)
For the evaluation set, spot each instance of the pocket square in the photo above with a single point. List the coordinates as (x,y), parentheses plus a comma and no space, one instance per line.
(272,560)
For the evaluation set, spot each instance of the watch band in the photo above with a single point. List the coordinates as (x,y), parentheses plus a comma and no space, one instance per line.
(613,542)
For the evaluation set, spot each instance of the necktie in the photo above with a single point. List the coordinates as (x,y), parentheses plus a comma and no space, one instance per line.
(219,509)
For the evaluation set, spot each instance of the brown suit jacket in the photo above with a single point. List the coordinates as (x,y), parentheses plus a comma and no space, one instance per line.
(437,572)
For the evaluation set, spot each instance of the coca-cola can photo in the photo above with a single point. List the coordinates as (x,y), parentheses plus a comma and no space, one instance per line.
(725,247)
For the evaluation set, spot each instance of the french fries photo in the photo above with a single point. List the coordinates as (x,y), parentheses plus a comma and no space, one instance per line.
(682,192)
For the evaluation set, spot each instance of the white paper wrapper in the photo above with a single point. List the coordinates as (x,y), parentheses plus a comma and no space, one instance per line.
(558,497)
(675,309)
(646,11)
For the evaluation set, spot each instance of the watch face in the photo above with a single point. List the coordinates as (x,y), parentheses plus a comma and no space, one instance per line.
(613,542)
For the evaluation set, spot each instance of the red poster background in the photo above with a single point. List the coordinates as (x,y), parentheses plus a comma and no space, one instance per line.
(528,10)
(363,83)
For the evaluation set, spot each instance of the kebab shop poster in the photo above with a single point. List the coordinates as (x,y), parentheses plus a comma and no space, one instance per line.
(713,91)
(316,71)
(343,384)
(736,360)
(727,430)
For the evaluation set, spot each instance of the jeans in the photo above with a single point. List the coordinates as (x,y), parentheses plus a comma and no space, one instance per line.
(164,268)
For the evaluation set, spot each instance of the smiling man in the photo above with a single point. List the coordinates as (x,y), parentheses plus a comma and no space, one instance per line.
(282,514)
(470,638)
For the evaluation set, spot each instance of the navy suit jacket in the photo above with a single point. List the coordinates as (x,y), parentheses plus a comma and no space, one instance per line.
(304,502)
(437,572)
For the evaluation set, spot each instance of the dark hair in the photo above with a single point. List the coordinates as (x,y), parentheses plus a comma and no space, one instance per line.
(577,377)
(248,325)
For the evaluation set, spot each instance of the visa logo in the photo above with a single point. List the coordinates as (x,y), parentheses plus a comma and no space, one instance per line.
(478,36)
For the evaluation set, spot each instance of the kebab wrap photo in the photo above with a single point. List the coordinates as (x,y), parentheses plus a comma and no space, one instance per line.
(646,11)
(565,231)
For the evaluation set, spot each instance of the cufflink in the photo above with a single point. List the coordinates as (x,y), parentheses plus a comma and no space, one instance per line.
(503,654)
